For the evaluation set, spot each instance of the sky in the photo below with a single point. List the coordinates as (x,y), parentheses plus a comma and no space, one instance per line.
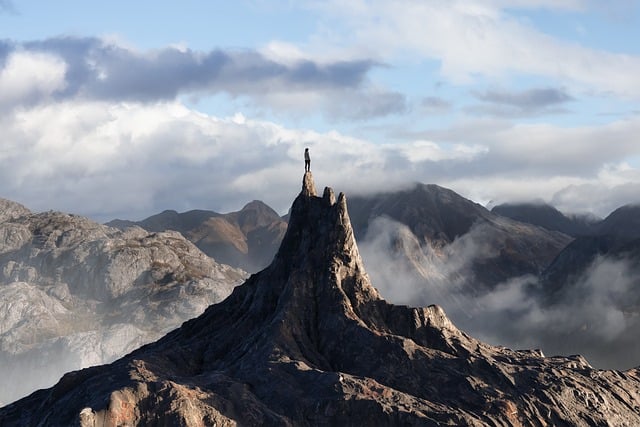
(124,109)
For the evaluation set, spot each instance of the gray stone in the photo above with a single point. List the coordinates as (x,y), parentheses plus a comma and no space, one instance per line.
(74,293)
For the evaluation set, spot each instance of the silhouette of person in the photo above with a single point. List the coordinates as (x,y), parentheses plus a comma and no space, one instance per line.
(307,160)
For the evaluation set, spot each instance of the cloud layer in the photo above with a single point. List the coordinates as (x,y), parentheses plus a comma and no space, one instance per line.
(130,160)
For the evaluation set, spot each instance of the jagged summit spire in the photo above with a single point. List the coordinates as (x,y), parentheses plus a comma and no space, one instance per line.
(308,186)
(320,238)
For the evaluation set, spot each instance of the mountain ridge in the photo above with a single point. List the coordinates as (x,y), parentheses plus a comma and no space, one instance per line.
(246,239)
(545,215)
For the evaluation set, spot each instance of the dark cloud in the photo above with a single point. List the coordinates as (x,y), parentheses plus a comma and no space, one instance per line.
(532,101)
(96,69)
(5,48)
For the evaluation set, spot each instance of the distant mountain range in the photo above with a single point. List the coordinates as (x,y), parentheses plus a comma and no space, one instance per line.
(549,217)
(309,341)
(591,291)
(474,248)
(247,239)
(74,293)
(436,217)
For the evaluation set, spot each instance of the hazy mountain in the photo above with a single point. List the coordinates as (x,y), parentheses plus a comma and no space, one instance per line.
(600,274)
(623,223)
(308,341)
(74,293)
(247,239)
(548,217)
(507,282)
(452,239)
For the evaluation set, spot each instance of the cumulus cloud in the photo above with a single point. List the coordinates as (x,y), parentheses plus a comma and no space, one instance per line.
(129,159)
(591,317)
(29,78)
(96,69)
(531,161)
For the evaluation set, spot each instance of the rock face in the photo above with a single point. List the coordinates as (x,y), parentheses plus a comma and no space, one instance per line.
(11,210)
(308,341)
(247,239)
(74,293)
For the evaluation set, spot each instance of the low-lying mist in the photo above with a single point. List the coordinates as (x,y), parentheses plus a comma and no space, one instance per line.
(597,314)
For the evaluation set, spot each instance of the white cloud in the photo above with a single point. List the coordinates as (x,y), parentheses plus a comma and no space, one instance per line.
(29,77)
(131,160)
(475,37)
(421,151)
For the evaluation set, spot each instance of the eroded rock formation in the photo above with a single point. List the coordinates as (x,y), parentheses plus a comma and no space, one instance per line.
(308,341)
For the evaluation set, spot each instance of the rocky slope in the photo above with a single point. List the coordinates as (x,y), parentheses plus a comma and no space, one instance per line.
(308,341)
(74,293)
(247,239)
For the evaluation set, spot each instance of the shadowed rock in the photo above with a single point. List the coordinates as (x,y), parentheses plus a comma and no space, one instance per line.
(308,341)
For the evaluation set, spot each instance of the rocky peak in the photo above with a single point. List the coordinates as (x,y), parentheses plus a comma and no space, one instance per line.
(308,186)
(308,341)
(11,210)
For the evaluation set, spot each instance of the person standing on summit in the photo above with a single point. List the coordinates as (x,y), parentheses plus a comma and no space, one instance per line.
(307,160)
